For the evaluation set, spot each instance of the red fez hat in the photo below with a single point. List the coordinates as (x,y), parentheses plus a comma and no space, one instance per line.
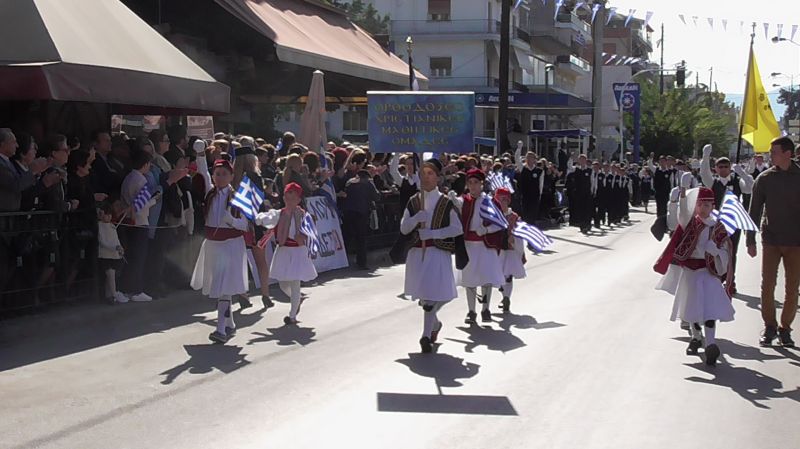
(502,191)
(705,194)
(293,187)
(476,173)
(223,163)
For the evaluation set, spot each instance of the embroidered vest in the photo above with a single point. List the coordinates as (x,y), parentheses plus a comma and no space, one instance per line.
(441,219)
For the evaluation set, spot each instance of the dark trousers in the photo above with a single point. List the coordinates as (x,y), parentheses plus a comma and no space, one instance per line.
(661,204)
(530,209)
(735,243)
(136,245)
(358,230)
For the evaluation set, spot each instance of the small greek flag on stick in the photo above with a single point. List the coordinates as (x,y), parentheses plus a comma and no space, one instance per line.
(498,180)
(309,229)
(733,216)
(248,198)
(536,239)
(490,213)
(141,199)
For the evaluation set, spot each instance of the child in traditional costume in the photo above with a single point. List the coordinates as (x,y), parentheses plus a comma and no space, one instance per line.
(292,262)
(483,241)
(701,250)
(429,224)
(221,268)
(512,257)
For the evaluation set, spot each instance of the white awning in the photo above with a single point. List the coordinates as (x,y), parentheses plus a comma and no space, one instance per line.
(523,59)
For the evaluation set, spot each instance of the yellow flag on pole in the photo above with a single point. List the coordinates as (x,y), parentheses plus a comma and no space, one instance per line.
(758,122)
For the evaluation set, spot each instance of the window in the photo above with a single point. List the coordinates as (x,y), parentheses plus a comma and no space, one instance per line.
(441,67)
(355,119)
(439,10)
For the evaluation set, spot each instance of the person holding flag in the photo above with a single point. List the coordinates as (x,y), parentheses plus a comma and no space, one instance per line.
(297,241)
(428,228)
(484,235)
(512,256)
(221,268)
(701,251)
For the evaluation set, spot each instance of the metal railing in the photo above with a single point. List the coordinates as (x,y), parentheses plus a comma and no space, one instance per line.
(46,257)
(574,22)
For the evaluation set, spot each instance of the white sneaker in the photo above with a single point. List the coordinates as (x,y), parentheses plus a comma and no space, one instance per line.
(141,297)
(120,297)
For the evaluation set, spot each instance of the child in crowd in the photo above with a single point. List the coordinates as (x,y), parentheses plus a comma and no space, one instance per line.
(109,253)
(221,269)
(701,250)
(291,263)
(512,256)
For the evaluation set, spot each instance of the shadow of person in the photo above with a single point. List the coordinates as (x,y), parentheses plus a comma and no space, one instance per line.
(750,385)
(286,336)
(205,358)
(744,352)
(752,302)
(445,369)
(494,339)
(509,320)
(242,320)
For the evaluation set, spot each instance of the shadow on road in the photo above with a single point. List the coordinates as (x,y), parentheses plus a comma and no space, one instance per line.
(751,385)
(605,248)
(445,369)
(205,358)
(492,339)
(753,302)
(286,336)
(450,404)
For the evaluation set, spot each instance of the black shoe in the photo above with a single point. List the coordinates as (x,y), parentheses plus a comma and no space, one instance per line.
(425,345)
(289,320)
(505,304)
(230,332)
(785,336)
(435,333)
(694,345)
(216,337)
(769,334)
(712,354)
(267,301)
(687,327)
(244,302)
(486,316)
(471,317)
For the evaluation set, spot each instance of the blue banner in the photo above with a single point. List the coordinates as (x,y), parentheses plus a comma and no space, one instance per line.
(421,122)
(630,101)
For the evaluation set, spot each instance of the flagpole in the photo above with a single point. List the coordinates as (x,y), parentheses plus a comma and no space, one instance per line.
(746,89)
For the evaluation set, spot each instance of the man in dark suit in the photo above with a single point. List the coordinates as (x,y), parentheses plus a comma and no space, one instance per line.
(12,182)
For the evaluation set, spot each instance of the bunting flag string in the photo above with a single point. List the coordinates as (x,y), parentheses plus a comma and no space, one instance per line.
(777,28)
(611,13)
(595,8)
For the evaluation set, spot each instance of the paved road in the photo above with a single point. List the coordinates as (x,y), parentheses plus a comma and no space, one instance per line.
(588,359)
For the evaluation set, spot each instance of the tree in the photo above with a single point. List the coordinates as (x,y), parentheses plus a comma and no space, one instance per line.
(679,122)
(366,16)
(790,98)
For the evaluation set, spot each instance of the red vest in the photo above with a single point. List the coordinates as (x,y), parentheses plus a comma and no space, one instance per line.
(493,240)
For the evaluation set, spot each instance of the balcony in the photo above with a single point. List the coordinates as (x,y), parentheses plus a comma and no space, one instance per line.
(574,64)
(443,27)
(573,22)
(484,83)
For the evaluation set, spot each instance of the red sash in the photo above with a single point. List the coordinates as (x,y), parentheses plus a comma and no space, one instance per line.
(222,234)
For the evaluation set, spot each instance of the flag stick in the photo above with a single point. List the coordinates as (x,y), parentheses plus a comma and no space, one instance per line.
(746,89)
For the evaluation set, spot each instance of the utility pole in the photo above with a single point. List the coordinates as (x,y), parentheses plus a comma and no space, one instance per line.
(597,69)
(661,78)
(501,133)
(710,78)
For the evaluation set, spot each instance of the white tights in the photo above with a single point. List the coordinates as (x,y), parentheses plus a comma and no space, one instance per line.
(292,290)
(224,314)
(430,319)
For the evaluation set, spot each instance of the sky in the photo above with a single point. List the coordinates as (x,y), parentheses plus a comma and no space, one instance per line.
(726,51)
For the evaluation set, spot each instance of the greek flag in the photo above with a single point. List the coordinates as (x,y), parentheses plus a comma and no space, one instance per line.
(498,180)
(733,216)
(489,212)
(248,198)
(309,229)
(279,146)
(536,239)
(141,199)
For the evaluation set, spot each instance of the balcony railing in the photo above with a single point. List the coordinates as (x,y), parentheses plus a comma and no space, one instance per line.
(460,82)
(576,63)
(420,27)
(569,20)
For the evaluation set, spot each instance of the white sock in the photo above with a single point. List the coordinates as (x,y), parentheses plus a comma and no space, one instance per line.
(508,287)
(111,283)
(430,319)
(223,311)
(710,334)
(696,333)
(486,292)
(471,294)
(295,297)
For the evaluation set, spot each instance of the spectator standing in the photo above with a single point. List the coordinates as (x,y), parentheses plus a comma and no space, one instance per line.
(776,194)
(110,254)
(53,198)
(105,177)
(178,143)
(12,182)
(361,194)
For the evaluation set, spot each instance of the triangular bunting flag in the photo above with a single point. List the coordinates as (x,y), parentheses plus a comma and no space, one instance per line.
(647,17)
(558,8)
(683,18)
(595,8)
(780,30)
(694,19)
(711,22)
(741,26)
(766,30)
(611,12)
(794,31)
(613,57)
(630,16)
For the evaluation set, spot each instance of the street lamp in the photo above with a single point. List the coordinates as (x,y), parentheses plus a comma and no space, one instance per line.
(777,39)
(409,45)
(547,69)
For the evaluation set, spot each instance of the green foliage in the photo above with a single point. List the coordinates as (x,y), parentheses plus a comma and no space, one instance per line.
(677,122)
(791,98)
(366,16)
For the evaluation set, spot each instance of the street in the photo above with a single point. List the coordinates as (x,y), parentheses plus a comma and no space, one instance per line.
(587,359)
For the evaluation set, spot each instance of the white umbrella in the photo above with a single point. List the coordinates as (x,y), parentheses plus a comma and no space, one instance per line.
(312,123)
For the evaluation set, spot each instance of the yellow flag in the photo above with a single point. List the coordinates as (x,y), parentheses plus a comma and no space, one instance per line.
(758,121)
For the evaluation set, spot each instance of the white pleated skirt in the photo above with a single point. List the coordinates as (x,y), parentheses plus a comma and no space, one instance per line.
(699,296)
(430,277)
(484,267)
(221,268)
(292,263)
(512,264)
